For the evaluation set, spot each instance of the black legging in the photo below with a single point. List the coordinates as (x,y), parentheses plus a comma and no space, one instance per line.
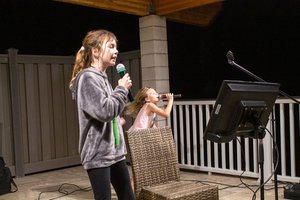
(117,175)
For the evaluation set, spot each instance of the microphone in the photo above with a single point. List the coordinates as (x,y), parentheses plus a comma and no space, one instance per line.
(164,96)
(121,70)
(230,57)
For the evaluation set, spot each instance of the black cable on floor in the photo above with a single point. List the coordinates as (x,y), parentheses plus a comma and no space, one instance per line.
(64,191)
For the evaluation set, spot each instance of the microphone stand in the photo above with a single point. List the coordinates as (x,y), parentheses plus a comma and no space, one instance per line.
(230,58)
(231,62)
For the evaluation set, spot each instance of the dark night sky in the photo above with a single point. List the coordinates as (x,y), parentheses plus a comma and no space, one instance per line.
(49,27)
(262,34)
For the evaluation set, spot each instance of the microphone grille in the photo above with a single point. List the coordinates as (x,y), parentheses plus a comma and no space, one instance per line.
(120,68)
(230,55)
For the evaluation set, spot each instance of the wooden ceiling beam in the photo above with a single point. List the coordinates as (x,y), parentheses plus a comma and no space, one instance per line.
(199,16)
(193,12)
(134,7)
(164,7)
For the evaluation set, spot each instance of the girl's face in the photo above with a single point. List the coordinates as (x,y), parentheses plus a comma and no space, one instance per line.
(109,53)
(152,96)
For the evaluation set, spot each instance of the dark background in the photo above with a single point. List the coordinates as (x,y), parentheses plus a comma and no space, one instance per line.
(262,34)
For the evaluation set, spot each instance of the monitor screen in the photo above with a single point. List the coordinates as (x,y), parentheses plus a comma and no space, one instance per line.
(242,109)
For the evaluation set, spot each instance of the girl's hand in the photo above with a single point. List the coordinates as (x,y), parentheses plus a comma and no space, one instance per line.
(125,81)
(169,96)
(122,121)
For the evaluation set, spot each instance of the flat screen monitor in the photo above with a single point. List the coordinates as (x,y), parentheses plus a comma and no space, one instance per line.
(242,109)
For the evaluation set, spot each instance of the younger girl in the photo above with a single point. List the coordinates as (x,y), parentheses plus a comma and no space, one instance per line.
(144,108)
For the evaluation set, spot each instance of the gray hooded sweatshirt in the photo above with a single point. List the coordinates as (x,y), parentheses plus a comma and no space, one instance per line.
(98,104)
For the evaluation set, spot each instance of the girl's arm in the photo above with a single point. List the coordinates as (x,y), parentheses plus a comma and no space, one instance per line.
(163,112)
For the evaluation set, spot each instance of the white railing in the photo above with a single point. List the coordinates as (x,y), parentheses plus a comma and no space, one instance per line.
(188,122)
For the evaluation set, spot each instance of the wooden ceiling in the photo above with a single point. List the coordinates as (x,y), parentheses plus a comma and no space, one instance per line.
(193,12)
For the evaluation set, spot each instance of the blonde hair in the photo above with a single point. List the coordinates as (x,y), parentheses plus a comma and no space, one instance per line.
(133,108)
(93,39)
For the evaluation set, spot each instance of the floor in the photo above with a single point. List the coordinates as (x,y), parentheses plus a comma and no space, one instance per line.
(72,183)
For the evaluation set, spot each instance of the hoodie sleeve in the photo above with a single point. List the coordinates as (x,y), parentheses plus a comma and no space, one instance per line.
(97,99)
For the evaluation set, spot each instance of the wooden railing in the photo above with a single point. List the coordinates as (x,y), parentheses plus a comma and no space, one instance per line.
(188,121)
